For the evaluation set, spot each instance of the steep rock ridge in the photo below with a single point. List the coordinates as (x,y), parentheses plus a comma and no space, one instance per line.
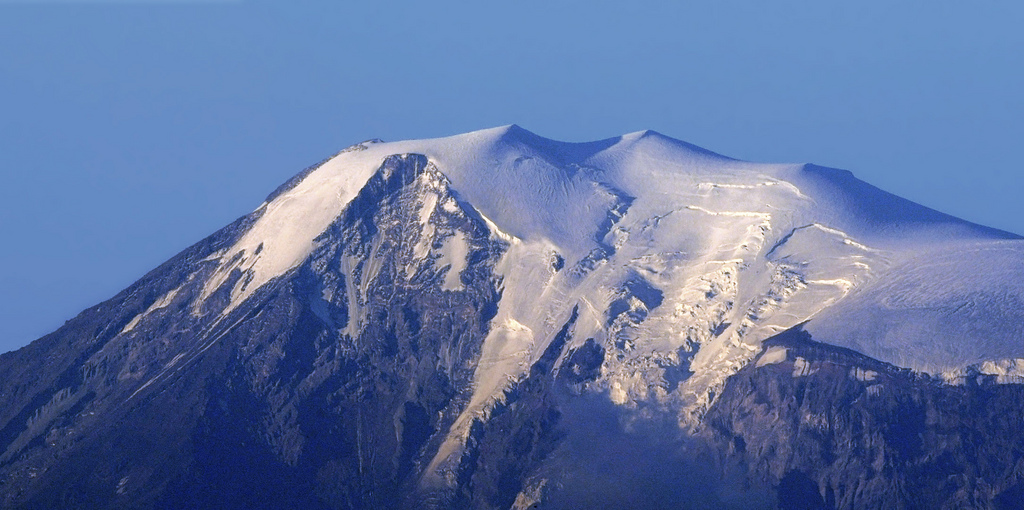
(831,428)
(451,322)
(278,384)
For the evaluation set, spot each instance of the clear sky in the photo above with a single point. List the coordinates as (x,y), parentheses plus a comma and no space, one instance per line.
(130,129)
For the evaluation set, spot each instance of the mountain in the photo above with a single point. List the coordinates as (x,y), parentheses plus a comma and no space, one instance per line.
(500,320)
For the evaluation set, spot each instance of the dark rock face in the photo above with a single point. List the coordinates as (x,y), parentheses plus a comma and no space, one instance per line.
(273,405)
(335,385)
(850,432)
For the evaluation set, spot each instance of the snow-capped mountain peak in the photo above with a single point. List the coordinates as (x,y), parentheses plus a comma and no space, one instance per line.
(734,251)
(412,323)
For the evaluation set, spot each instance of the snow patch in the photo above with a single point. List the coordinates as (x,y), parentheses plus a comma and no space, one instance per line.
(1004,371)
(863,375)
(454,255)
(163,302)
(802,368)
(774,355)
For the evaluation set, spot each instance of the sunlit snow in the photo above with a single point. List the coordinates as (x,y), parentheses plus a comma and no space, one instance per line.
(677,260)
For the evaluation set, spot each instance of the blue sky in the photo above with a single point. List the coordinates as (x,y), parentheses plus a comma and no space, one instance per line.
(131,129)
